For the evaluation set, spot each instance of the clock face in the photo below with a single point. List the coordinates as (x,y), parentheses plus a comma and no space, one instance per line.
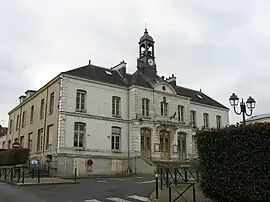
(150,61)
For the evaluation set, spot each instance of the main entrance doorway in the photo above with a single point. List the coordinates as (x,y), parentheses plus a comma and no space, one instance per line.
(165,145)
(182,145)
(145,142)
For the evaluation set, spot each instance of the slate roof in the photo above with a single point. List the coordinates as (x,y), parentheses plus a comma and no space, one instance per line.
(96,73)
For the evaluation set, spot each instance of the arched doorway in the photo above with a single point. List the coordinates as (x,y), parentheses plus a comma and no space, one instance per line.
(165,145)
(182,145)
(145,142)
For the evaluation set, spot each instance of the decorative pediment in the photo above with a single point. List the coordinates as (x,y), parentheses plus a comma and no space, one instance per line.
(164,87)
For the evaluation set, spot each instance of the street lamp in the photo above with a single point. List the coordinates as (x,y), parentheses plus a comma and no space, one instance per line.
(250,104)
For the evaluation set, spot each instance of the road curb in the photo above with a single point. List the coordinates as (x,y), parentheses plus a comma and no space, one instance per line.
(38,184)
(152,197)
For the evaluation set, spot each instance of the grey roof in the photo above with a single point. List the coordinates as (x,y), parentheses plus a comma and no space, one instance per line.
(146,36)
(259,116)
(96,73)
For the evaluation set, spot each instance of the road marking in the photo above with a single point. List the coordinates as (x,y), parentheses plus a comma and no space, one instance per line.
(92,200)
(146,182)
(102,181)
(139,177)
(140,198)
(117,199)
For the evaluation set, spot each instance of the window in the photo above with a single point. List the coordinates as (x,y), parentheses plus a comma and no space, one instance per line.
(80,100)
(116,106)
(17,122)
(49,137)
(40,140)
(32,114)
(79,134)
(164,107)
(30,141)
(206,120)
(10,126)
(22,141)
(145,107)
(193,118)
(180,113)
(218,120)
(115,140)
(51,103)
(23,119)
(9,144)
(41,109)
(3,144)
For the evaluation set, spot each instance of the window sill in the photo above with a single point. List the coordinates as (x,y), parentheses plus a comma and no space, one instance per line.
(116,116)
(116,151)
(80,111)
(146,117)
(79,149)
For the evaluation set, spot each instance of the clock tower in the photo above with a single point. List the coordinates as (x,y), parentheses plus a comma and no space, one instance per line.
(146,61)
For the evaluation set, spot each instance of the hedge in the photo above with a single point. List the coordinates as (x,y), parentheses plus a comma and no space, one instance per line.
(235,163)
(14,156)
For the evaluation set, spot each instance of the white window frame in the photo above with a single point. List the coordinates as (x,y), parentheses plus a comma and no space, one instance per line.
(218,121)
(51,103)
(40,140)
(80,100)
(116,106)
(32,110)
(181,113)
(193,118)
(116,139)
(164,107)
(42,106)
(206,120)
(79,134)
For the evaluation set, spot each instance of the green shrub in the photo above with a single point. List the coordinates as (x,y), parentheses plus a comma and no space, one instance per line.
(14,156)
(235,163)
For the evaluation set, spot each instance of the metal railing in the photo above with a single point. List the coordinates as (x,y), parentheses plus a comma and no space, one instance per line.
(172,177)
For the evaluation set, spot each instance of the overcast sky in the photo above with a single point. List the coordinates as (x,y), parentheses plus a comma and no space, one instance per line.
(215,45)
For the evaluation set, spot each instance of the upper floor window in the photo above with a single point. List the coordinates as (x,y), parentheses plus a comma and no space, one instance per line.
(116,138)
(22,141)
(17,122)
(80,100)
(180,113)
(48,144)
(30,141)
(79,134)
(164,107)
(205,120)
(145,107)
(218,120)
(10,126)
(51,103)
(23,118)
(41,109)
(193,118)
(116,106)
(32,114)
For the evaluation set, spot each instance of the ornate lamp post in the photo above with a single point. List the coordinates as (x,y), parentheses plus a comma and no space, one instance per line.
(250,104)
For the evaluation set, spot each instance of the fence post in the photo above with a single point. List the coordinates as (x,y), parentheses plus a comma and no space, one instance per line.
(5,173)
(38,175)
(75,175)
(167,177)
(185,175)
(19,174)
(161,180)
(22,175)
(11,174)
(156,186)
(194,193)
(175,176)
(170,193)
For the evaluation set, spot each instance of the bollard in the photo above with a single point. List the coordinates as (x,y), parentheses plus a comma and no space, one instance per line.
(167,177)
(156,186)
(22,175)
(194,193)
(170,193)
(161,176)
(38,175)
(75,175)
(32,174)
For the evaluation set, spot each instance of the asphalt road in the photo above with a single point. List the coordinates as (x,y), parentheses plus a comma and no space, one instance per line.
(125,189)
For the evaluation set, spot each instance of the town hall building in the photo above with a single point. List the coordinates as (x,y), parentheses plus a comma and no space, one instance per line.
(107,121)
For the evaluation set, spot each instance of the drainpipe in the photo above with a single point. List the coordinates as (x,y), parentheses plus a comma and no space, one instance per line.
(129,169)
(45,120)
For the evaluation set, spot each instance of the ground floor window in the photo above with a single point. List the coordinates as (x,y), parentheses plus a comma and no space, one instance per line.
(116,138)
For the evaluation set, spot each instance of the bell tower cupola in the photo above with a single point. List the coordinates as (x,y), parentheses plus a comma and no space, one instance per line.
(146,60)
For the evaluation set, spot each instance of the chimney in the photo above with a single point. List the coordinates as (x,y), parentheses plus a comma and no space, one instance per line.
(121,68)
(171,80)
(28,93)
(22,98)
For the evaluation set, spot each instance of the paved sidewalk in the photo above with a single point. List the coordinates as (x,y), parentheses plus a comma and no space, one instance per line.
(43,181)
(188,195)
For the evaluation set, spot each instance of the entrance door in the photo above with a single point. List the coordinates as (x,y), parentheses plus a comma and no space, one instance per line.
(145,142)
(165,143)
(182,146)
